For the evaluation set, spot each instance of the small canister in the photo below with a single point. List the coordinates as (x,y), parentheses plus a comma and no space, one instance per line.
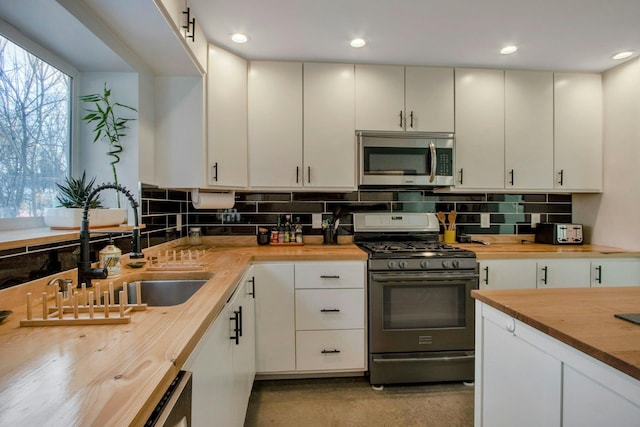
(110,259)
(194,236)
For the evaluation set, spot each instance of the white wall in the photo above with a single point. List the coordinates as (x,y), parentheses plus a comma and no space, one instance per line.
(613,217)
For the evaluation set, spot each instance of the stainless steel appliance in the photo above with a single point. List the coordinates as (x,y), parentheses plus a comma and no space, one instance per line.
(406,158)
(174,409)
(421,314)
(559,234)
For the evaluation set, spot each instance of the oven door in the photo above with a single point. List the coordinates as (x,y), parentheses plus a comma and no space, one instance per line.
(421,311)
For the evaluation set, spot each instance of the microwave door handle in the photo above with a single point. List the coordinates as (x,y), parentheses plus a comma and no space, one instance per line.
(434,162)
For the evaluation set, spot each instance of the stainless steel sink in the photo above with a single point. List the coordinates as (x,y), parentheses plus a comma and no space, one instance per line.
(165,292)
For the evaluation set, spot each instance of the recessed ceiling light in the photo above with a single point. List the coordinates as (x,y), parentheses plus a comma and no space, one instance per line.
(239,38)
(358,42)
(508,50)
(623,55)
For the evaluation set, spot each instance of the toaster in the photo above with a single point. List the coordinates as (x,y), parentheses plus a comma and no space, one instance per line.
(559,234)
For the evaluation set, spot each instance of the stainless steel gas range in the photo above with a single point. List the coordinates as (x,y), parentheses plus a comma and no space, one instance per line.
(421,314)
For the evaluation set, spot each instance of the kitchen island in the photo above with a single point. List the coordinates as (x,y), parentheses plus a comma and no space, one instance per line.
(557,357)
(114,375)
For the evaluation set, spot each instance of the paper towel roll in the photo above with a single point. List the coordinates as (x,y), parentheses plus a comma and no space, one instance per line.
(212,200)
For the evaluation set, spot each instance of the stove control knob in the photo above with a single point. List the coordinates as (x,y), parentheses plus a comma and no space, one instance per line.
(456,264)
(392,265)
(424,264)
(403,264)
(446,264)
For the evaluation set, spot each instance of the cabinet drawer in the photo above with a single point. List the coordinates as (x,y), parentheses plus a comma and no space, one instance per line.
(344,274)
(330,350)
(329,309)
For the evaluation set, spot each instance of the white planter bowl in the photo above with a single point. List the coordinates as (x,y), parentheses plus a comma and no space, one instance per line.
(71,218)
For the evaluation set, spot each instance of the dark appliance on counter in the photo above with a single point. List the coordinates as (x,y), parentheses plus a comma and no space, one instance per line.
(420,312)
(559,234)
(405,159)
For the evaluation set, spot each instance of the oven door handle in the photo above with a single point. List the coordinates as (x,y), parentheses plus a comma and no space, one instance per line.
(421,277)
(425,359)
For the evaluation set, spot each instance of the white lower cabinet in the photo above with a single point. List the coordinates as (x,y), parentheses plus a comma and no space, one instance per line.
(507,274)
(310,316)
(223,368)
(519,384)
(330,350)
(569,273)
(275,327)
(620,272)
(558,273)
(526,378)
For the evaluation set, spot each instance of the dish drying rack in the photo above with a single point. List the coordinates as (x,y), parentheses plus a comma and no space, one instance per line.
(83,307)
(176,261)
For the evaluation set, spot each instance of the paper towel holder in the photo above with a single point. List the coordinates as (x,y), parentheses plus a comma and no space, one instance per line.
(195,195)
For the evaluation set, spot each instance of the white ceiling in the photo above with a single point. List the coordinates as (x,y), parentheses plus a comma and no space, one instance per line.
(571,35)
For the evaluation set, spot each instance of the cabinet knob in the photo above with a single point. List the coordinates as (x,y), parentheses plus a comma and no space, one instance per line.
(511,325)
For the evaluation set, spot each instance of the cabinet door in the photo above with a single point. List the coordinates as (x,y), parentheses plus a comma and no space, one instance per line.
(380,97)
(242,304)
(173,11)
(329,129)
(275,318)
(180,132)
(211,365)
(520,384)
(198,43)
(586,402)
(318,309)
(578,131)
(227,119)
(330,274)
(563,274)
(507,274)
(528,129)
(615,273)
(479,128)
(429,99)
(275,124)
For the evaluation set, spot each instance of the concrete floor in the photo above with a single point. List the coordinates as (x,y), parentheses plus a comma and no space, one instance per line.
(352,402)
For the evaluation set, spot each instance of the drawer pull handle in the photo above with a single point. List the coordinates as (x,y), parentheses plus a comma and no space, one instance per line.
(330,351)
(329,277)
(330,310)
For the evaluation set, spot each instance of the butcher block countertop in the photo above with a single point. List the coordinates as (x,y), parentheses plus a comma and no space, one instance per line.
(582,318)
(114,375)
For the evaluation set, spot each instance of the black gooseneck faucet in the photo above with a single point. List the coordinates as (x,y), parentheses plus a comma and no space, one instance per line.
(85,272)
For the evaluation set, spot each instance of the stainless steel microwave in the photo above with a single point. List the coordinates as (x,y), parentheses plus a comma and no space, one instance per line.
(406,158)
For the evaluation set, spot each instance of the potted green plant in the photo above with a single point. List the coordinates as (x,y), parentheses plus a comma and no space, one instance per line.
(108,125)
(71,197)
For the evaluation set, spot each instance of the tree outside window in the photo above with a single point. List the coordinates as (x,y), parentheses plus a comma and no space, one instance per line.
(35,107)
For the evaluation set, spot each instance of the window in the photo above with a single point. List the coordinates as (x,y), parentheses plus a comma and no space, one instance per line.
(35,131)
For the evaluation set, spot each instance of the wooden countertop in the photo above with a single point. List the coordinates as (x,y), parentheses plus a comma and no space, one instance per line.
(114,375)
(580,317)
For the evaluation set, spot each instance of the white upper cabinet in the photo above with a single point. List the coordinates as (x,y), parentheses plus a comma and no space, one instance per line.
(180,130)
(329,133)
(528,130)
(227,119)
(183,22)
(429,99)
(379,97)
(479,101)
(280,155)
(578,132)
(397,98)
(275,124)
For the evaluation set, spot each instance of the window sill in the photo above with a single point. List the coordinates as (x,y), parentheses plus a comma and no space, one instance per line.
(12,239)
